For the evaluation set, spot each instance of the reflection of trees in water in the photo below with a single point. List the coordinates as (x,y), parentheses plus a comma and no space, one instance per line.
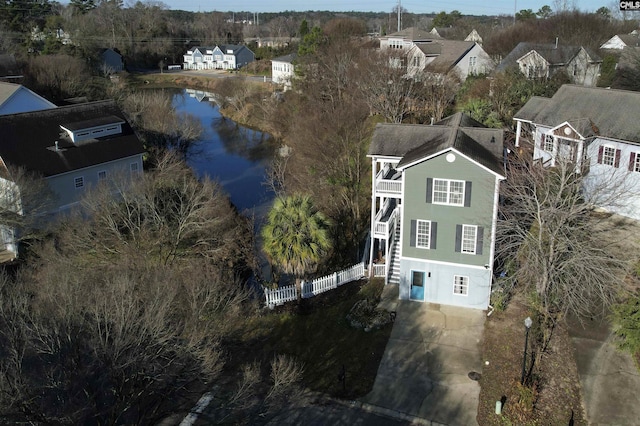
(161,124)
(251,144)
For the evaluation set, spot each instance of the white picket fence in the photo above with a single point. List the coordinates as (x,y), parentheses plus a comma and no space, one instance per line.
(315,287)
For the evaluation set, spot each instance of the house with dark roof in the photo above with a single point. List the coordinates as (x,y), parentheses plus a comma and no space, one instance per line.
(596,129)
(282,69)
(72,147)
(426,50)
(15,98)
(442,56)
(535,60)
(434,207)
(111,61)
(222,57)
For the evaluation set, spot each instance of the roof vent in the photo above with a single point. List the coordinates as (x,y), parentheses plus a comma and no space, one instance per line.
(56,145)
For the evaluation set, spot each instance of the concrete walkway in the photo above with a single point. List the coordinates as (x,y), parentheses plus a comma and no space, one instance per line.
(609,379)
(424,371)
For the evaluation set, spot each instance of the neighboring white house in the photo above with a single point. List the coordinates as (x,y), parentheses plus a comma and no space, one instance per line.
(598,130)
(282,69)
(474,36)
(434,207)
(15,98)
(620,41)
(222,57)
(581,65)
(441,56)
(406,39)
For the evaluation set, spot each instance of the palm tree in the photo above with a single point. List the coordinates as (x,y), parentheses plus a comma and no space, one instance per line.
(296,236)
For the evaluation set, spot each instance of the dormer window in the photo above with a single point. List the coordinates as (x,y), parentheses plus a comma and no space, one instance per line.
(91,129)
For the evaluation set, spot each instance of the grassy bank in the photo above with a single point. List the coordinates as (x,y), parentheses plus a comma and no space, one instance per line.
(317,333)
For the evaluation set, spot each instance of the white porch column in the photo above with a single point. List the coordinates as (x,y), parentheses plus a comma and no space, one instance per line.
(579,156)
(518,129)
(373,214)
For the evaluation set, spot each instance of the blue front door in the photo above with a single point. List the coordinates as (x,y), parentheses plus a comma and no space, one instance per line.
(417,285)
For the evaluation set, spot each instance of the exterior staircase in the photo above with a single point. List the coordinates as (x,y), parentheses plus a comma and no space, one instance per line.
(394,266)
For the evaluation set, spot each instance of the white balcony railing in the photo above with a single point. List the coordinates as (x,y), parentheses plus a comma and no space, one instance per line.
(383,228)
(387,186)
(379,270)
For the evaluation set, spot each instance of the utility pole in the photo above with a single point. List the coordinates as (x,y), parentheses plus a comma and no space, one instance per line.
(399,8)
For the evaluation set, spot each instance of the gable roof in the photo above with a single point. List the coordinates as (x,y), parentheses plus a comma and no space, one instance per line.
(429,47)
(413,34)
(452,52)
(555,55)
(33,146)
(7,90)
(10,91)
(592,110)
(413,142)
(286,58)
(235,48)
(630,39)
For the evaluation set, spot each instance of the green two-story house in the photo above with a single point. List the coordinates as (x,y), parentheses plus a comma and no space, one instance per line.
(434,209)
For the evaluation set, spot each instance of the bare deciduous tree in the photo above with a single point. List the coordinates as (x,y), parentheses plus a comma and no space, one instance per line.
(556,246)
(167,214)
(385,86)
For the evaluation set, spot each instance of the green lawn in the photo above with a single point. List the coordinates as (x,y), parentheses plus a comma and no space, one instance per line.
(317,334)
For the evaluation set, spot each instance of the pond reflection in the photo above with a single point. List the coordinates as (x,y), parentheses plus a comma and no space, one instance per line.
(233,155)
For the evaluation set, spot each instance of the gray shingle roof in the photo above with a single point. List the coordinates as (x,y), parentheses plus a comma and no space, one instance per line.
(559,55)
(452,52)
(27,139)
(632,40)
(607,112)
(286,58)
(412,142)
(414,34)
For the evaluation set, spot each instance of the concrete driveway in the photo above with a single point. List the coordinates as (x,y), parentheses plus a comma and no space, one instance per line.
(609,379)
(424,373)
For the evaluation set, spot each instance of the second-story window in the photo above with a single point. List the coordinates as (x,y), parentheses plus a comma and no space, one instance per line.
(634,162)
(423,233)
(609,156)
(447,191)
(469,234)
(548,143)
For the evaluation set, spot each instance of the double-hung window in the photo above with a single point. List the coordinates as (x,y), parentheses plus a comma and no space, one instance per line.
(608,156)
(460,285)
(79,182)
(469,239)
(449,192)
(548,143)
(634,162)
(423,234)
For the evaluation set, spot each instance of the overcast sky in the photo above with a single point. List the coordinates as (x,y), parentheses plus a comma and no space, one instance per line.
(466,7)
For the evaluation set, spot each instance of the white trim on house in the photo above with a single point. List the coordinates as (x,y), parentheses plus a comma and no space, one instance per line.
(439,262)
(463,284)
(413,163)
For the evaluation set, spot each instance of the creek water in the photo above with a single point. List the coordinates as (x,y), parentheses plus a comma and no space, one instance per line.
(233,155)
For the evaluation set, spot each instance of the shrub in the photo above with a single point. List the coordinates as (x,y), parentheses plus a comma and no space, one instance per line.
(626,323)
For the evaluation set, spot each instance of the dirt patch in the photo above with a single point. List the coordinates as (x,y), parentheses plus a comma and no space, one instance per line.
(552,394)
